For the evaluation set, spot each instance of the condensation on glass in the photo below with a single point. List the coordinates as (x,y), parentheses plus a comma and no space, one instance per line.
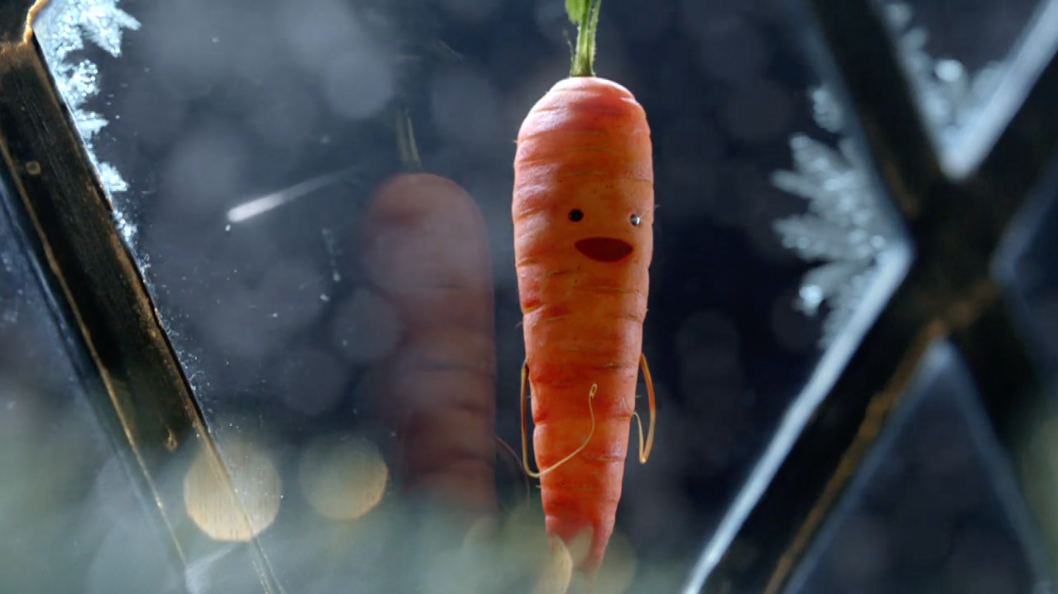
(934,507)
(65,29)
(71,519)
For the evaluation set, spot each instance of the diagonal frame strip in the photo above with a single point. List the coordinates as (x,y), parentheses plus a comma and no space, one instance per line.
(956,230)
(89,267)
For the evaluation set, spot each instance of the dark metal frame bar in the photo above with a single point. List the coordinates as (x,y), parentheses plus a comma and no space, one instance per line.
(949,292)
(84,260)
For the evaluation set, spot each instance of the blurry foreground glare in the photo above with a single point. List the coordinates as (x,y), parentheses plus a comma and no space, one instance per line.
(514,551)
(618,566)
(557,571)
(210,504)
(343,479)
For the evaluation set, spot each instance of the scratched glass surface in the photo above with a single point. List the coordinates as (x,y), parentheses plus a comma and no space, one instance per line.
(956,53)
(244,142)
(959,530)
(70,517)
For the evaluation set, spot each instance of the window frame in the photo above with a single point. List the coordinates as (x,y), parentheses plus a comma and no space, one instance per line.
(90,271)
(952,291)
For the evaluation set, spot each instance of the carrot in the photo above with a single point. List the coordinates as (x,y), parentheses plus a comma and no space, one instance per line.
(583,210)
(427,253)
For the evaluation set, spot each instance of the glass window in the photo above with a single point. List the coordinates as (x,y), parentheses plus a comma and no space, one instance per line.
(933,508)
(318,195)
(67,499)
(1027,267)
(970,64)
(246,151)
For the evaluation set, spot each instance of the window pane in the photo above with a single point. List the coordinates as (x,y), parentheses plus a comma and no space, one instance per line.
(71,518)
(958,54)
(934,508)
(1027,267)
(256,137)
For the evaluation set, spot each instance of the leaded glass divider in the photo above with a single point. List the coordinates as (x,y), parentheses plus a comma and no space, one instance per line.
(58,192)
(949,292)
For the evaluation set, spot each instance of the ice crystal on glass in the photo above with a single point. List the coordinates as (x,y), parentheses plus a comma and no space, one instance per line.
(845,228)
(62,29)
(949,96)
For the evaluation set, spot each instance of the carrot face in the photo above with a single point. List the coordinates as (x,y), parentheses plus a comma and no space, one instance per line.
(583,210)
(426,251)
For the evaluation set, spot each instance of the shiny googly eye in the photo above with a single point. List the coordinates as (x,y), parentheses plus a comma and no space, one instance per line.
(575,215)
(636,220)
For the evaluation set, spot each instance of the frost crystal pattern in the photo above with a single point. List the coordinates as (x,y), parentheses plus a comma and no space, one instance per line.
(845,227)
(61,29)
(949,96)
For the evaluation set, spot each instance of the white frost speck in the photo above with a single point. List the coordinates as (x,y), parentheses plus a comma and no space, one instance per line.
(61,28)
(125,228)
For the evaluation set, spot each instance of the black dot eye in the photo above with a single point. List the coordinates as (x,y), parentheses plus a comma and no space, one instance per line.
(635,220)
(575,215)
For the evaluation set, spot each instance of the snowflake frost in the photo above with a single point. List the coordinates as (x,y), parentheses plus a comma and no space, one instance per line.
(61,29)
(949,95)
(845,227)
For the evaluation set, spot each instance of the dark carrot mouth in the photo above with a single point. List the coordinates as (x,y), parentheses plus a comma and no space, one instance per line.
(603,249)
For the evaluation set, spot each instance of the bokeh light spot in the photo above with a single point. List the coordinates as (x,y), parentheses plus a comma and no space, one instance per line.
(343,479)
(212,507)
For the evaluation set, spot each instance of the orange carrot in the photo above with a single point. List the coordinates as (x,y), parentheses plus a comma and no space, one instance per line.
(583,210)
(426,252)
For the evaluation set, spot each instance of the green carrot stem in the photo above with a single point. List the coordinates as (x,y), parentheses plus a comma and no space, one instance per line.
(584,14)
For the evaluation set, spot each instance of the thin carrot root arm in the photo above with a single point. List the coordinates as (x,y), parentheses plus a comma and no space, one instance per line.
(644,449)
(517,465)
(525,445)
(425,249)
